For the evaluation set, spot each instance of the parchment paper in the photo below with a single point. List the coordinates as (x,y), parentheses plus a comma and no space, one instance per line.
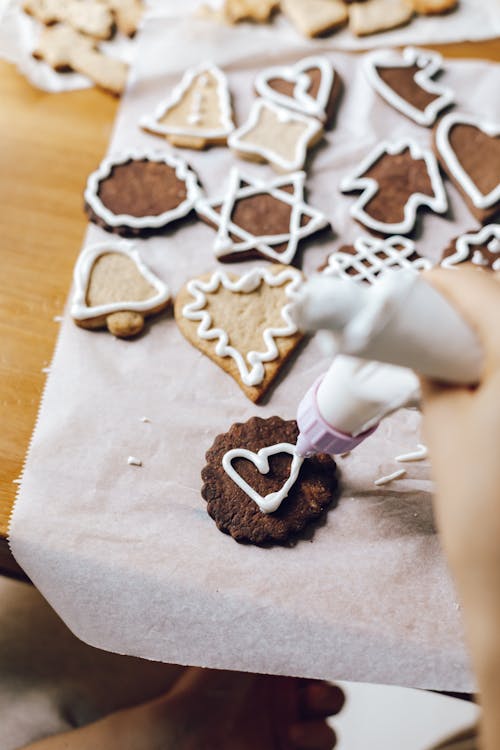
(128,556)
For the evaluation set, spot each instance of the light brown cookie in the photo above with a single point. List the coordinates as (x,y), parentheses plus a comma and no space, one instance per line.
(258,11)
(92,17)
(127,13)
(276,135)
(113,289)
(315,17)
(434,7)
(242,323)
(65,49)
(373,16)
(198,111)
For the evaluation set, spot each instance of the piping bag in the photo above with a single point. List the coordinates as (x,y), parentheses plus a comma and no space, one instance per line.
(379,335)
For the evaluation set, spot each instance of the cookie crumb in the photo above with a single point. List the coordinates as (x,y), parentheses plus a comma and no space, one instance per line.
(58,318)
(46,370)
(145,419)
(16,481)
(133,461)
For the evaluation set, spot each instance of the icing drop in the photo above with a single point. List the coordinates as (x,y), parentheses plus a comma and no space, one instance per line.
(133,461)
(390,477)
(494,245)
(496,265)
(478,258)
(417,455)
(145,419)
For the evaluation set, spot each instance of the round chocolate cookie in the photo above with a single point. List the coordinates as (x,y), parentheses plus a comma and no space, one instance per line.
(232,509)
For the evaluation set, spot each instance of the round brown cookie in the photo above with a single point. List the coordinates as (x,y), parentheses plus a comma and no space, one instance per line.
(138,194)
(235,513)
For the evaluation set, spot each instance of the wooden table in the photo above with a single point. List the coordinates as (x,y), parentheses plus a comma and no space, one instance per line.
(49,144)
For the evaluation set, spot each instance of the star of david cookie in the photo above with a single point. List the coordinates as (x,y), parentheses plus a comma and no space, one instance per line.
(481,248)
(197,113)
(406,82)
(468,148)
(311,86)
(277,135)
(139,193)
(256,487)
(261,219)
(368,258)
(114,289)
(242,323)
(395,180)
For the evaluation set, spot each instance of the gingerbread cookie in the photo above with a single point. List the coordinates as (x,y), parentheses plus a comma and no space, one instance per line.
(368,258)
(434,7)
(242,323)
(113,289)
(65,49)
(140,192)
(468,148)
(311,86)
(405,82)
(198,111)
(93,17)
(481,248)
(373,16)
(315,17)
(258,489)
(396,179)
(261,219)
(276,135)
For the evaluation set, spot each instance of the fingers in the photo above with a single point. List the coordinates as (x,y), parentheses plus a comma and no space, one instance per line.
(312,735)
(320,699)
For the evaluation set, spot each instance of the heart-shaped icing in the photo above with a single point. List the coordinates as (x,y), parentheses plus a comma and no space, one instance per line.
(271,502)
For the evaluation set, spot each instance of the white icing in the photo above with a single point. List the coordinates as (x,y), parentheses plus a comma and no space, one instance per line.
(417,455)
(450,158)
(478,259)
(271,502)
(251,368)
(496,265)
(81,277)
(240,187)
(369,187)
(367,263)
(200,72)
(297,159)
(465,243)
(430,64)
(133,461)
(300,100)
(390,477)
(182,172)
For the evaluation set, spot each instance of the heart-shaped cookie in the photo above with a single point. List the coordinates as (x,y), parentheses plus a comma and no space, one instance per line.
(468,148)
(242,323)
(311,86)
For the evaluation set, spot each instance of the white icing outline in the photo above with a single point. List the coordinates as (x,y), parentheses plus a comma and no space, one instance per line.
(225,245)
(81,277)
(369,187)
(479,199)
(271,502)
(151,122)
(464,242)
(313,127)
(419,454)
(367,249)
(300,101)
(182,172)
(247,283)
(430,64)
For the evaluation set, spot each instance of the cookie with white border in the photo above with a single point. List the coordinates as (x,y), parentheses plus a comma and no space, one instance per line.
(242,323)
(482,248)
(310,86)
(276,135)
(197,113)
(258,490)
(406,82)
(374,16)
(368,258)
(139,193)
(396,180)
(468,148)
(114,289)
(315,17)
(261,218)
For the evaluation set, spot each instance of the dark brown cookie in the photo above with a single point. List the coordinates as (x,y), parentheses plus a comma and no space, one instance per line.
(235,513)
(480,248)
(140,194)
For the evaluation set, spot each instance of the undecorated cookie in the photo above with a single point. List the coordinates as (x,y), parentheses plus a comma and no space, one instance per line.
(406,82)
(258,11)
(198,111)
(373,16)
(315,17)
(396,180)
(468,148)
(276,135)
(261,218)
(434,7)
(481,248)
(242,323)
(113,289)
(91,17)
(127,13)
(256,487)
(310,86)
(140,192)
